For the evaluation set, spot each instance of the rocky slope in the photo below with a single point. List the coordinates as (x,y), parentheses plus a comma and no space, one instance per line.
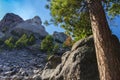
(29,63)
(20,64)
(25,63)
(77,64)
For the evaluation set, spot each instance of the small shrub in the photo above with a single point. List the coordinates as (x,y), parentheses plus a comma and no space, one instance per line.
(9,43)
(31,39)
(47,44)
(22,41)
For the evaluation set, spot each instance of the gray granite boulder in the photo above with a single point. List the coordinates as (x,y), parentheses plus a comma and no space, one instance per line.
(59,36)
(78,64)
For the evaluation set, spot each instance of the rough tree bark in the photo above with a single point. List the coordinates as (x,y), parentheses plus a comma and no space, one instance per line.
(106,50)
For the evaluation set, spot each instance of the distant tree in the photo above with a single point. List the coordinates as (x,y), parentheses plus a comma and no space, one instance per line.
(9,43)
(47,44)
(22,41)
(31,39)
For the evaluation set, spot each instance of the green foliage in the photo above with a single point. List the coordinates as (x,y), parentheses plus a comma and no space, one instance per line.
(47,44)
(114,10)
(22,41)
(73,15)
(31,39)
(67,13)
(56,48)
(9,43)
(112,7)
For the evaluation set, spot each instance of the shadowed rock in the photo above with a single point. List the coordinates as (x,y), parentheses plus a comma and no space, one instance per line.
(9,21)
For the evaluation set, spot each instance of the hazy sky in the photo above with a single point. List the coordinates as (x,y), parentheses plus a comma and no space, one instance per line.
(29,8)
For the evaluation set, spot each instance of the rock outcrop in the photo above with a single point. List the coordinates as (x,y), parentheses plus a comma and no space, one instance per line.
(14,25)
(78,64)
(59,36)
(31,26)
(9,21)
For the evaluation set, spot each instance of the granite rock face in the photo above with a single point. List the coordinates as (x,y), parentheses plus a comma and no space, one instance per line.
(14,25)
(9,21)
(78,64)
(59,36)
(31,26)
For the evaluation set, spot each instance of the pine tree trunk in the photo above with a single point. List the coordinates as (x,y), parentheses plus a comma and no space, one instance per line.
(106,50)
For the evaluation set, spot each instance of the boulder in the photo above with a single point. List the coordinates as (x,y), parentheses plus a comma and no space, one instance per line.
(36,77)
(31,26)
(82,42)
(50,66)
(9,21)
(53,61)
(46,74)
(59,36)
(78,64)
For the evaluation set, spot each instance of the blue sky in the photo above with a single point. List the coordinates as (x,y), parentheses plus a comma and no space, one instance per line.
(29,8)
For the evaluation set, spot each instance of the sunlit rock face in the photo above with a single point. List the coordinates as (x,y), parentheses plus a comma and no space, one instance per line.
(35,21)
(31,26)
